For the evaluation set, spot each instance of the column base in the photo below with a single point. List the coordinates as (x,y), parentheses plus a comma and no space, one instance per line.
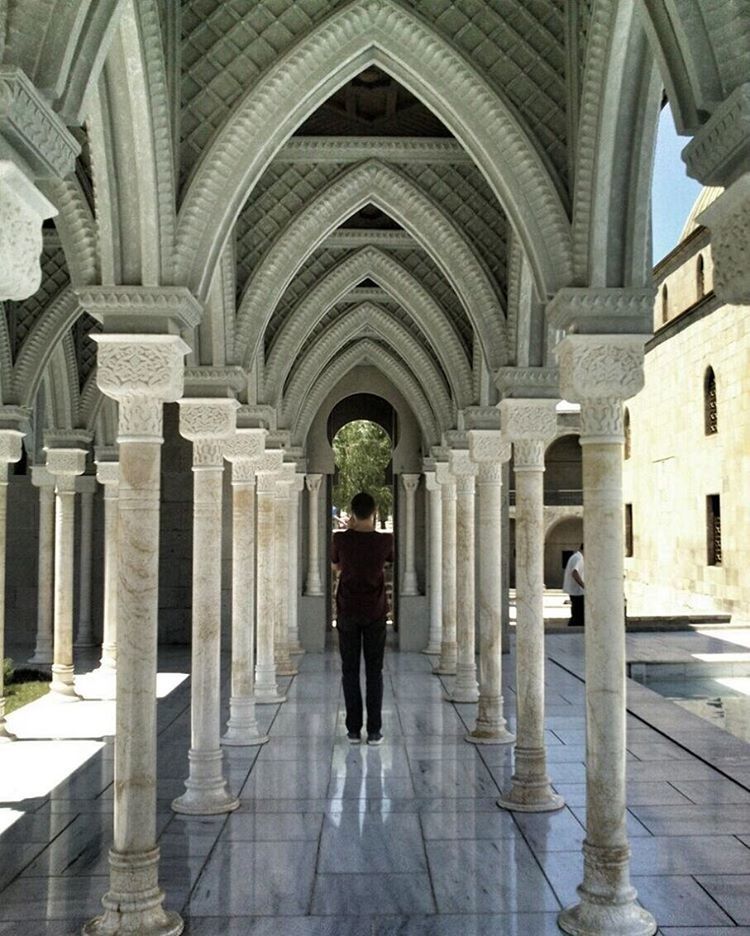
(287,669)
(530,796)
(266,689)
(466,688)
(432,650)
(591,919)
(270,698)
(5,734)
(206,792)
(296,648)
(242,727)
(87,643)
(446,665)
(133,904)
(42,655)
(485,735)
(314,590)
(62,688)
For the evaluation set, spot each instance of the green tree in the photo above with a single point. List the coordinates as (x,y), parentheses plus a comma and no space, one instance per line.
(362,451)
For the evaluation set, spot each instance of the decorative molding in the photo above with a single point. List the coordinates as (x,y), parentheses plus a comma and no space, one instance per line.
(22,208)
(208,420)
(245,445)
(352,239)
(140,366)
(720,151)
(243,472)
(602,310)
(16,417)
(462,466)
(32,128)
(602,421)
(208,452)
(532,419)
(359,323)
(396,194)
(354,149)
(381,33)
(600,368)
(367,294)
(76,227)
(140,308)
(528,382)
(218,381)
(528,454)
(401,286)
(728,219)
(491,472)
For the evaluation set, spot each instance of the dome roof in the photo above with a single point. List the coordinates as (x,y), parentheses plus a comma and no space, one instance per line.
(707,196)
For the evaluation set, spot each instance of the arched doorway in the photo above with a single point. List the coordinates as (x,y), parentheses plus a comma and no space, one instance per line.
(562,539)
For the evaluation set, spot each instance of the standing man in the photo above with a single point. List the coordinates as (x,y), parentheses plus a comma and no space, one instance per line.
(573,585)
(359,555)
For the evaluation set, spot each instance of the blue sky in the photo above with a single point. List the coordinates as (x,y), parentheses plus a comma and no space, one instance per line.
(673,192)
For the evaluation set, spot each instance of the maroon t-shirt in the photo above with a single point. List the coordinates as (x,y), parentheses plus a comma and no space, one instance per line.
(361,558)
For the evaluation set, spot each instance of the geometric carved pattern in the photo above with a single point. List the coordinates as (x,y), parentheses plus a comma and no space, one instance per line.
(55,277)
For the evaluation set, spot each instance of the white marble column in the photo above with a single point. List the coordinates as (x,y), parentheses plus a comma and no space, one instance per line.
(10,452)
(65,464)
(465,688)
(314,584)
(297,486)
(266,687)
(85,488)
(242,727)
(141,372)
(108,475)
(42,479)
(435,549)
(446,665)
(599,372)
(410,585)
(490,452)
(531,425)
(282,506)
(208,423)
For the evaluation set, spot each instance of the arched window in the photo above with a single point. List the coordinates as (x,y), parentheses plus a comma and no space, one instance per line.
(710,412)
(626,427)
(700,277)
(664,304)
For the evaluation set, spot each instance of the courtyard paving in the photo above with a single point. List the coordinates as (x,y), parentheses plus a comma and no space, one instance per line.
(403,839)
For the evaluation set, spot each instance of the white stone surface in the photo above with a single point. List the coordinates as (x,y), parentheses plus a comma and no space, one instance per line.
(108,475)
(266,687)
(85,487)
(10,451)
(435,554)
(23,208)
(446,664)
(43,648)
(314,585)
(409,585)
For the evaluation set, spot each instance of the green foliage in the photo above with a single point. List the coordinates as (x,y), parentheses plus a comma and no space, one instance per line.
(362,451)
(7,669)
(18,695)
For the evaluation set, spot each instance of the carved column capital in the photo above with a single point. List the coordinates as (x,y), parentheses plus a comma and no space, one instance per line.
(528,419)
(728,219)
(108,474)
(488,447)
(23,208)
(10,445)
(141,372)
(41,477)
(208,423)
(245,445)
(66,464)
(313,482)
(599,372)
(430,481)
(297,484)
(410,482)
(602,310)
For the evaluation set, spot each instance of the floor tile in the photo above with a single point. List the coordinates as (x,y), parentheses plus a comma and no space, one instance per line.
(517,924)
(283,827)
(678,901)
(468,825)
(372,894)
(732,892)
(695,854)
(269,926)
(370,843)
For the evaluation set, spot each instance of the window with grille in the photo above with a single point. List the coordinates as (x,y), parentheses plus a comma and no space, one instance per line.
(711,416)
(626,428)
(628,530)
(713,529)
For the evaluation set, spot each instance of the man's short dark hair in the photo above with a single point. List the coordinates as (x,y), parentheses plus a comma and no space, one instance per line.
(363,505)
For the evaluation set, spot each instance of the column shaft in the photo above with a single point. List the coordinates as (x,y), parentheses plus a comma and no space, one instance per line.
(410,585)
(436,562)
(282,502)
(45,576)
(5,735)
(448,650)
(266,688)
(466,688)
(206,791)
(242,728)
(84,635)
(314,583)
(490,727)
(62,687)
(109,634)
(294,578)
(530,790)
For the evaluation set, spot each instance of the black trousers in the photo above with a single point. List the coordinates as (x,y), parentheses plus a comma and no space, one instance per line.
(576,611)
(358,638)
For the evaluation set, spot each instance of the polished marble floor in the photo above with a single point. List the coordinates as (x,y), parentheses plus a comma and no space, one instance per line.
(334,840)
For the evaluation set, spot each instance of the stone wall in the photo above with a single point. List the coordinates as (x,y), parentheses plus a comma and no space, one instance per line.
(674,466)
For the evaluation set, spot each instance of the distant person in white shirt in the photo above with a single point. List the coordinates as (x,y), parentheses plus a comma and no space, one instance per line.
(573,586)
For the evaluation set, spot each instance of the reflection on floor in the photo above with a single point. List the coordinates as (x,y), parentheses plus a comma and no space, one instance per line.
(402,839)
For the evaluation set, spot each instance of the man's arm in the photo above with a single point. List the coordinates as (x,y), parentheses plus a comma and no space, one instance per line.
(335,558)
(577,578)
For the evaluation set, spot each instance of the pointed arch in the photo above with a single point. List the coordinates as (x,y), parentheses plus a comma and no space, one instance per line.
(365,352)
(363,321)
(361,34)
(398,283)
(396,195)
